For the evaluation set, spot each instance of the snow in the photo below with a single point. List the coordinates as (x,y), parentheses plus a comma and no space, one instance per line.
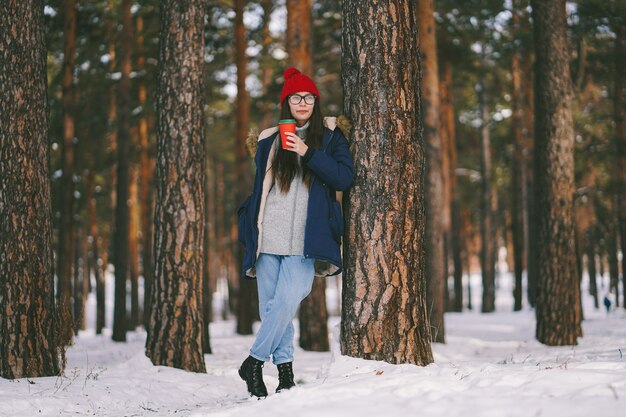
(490,366)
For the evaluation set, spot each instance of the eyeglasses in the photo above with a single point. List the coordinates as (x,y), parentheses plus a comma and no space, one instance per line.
(297,98)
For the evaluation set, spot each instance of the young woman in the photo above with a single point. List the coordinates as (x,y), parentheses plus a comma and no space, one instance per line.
(291,224)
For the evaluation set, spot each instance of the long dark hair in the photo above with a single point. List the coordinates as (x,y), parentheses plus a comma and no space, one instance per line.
(286,162)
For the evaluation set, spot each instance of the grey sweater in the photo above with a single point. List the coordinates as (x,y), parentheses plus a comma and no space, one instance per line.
(284,217)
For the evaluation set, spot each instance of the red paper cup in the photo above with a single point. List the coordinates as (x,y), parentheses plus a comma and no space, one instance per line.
(287,125)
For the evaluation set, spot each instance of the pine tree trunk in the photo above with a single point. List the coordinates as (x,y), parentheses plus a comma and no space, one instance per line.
(434,239)
(207,289)
(299,35)
(487,220)
(133,245)
(620,141)
(558,296)
(518,184)
(65,253)
(146,163)
(110,31)
(175,334)
(78,282)
(265,62)
(86,280)
(28,322)
(95,250)
(246,313)
(591,265)
(611,238)
(448,134)
(532,269)
(384,314)
(122,211)
(313,314)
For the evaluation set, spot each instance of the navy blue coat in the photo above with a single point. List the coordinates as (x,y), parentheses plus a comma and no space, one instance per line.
(332,170)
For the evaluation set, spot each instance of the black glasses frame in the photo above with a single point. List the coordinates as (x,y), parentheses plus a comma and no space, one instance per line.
(307,98)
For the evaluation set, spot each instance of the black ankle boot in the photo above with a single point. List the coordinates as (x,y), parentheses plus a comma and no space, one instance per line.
(285,376)
(251,371)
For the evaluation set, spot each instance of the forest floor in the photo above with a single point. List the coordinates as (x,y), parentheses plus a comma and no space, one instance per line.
(491,365)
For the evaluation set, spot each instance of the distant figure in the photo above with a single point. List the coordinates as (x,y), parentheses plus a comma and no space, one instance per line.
(607,303)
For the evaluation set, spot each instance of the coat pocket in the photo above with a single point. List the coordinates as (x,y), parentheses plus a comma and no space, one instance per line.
(336,221)
(242,213)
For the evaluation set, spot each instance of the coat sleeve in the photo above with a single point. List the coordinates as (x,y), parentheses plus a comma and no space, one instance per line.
(336,169)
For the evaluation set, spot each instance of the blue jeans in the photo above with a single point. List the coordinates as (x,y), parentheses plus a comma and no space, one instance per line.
(283,282)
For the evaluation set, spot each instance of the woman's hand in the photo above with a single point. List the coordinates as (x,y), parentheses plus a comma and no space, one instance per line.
(295,144)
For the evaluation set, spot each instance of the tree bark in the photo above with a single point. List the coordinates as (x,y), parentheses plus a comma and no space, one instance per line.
(122,211)
(436,274)
(110,32)
(29,344)
(611,238)
(488,198)
(133,245)
(146,163)
(384,314)
(591,264)
(265,62)
(207,258)
(95,250)
(448,134)
(299,35)
(620,141)
(558,296)
(175,335)
(65,253)
(518,184)
(532,271)
(246,313)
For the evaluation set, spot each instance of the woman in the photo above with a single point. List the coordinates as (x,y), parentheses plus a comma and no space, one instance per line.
(291,224)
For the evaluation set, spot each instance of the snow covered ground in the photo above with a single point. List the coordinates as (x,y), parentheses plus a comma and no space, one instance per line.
(490,366)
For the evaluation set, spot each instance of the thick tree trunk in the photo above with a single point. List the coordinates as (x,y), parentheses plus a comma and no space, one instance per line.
(436,273)
(558,296)
(175,335)
(518,184)
(313,314)
(384,314)
(488,198)
(28,322)
(122,212)
(65,253)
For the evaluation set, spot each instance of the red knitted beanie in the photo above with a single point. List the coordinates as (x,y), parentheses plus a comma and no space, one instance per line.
(296,81)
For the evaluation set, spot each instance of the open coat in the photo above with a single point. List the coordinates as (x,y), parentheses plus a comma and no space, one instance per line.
(333,172)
